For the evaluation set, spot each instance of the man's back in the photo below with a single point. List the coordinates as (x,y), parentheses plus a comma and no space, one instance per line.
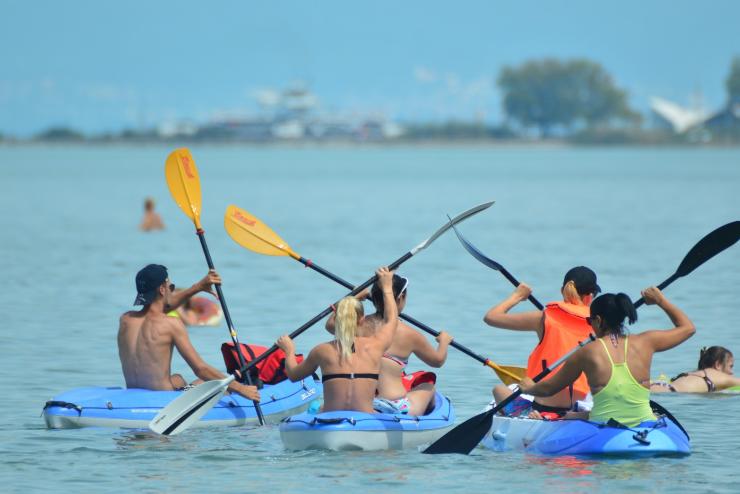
(145,341)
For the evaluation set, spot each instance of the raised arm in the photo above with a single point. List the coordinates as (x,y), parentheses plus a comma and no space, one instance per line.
(387,329)
(570,371)
(427,353)
(204,285)
(499,317)
(293,369)
(662,340)
(199,366)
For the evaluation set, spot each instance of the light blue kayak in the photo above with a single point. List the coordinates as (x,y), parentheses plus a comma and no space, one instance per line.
(351,430)
(134,408)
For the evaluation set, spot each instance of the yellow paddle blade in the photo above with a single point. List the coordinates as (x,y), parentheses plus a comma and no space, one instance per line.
(509,374)
(248,231)
(184,183)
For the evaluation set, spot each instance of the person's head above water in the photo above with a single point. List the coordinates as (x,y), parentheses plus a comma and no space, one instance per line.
(579,286)
(148,204)
(609,311)
(150,284)
(349,316)
(400,286)
(716,357)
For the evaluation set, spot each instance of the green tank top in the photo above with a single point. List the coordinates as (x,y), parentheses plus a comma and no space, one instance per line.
(623,398)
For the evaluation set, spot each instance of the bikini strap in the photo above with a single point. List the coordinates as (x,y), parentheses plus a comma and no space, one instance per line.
(607,351)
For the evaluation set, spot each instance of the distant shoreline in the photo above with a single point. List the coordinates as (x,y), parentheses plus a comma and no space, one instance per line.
(400,143)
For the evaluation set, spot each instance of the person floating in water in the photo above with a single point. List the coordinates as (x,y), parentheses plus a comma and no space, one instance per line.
(714,373)
(151,220)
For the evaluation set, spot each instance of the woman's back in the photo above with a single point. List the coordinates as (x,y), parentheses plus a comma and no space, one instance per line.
(350,384)
(615,368)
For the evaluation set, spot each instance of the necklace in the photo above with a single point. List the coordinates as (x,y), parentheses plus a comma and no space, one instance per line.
(615,340)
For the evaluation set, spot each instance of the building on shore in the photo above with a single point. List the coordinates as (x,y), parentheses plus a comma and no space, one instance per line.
(291,115)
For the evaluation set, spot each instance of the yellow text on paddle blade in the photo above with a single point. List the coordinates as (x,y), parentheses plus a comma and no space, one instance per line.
(184,183)
(249,232)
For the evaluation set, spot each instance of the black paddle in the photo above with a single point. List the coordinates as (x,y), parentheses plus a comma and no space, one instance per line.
(394,265)
(466,436)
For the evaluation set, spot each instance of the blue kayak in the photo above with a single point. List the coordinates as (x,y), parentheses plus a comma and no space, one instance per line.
(352,430)
(134,408)
(583,438)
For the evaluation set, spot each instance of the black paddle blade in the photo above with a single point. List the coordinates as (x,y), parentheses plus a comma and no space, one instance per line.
(473,250)
(463,438)
(708,247)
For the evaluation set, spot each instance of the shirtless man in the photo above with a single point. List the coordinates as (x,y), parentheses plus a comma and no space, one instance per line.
(146,337)
(151,220)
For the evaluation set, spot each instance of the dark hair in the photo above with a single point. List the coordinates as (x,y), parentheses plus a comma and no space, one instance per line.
(708,357)
(613,309)
(376,294)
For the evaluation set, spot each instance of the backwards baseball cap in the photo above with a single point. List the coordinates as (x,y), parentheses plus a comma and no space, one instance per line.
(584,279)
(148,281)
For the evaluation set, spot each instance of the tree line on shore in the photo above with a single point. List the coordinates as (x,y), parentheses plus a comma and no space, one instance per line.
(575,100)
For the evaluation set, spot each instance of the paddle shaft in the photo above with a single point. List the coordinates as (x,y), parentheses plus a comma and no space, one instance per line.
(310,264)
(227,316)
(450,442)
(515,282)
(327,311)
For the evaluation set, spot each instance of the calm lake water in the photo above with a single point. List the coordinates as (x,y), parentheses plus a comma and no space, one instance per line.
(71,250)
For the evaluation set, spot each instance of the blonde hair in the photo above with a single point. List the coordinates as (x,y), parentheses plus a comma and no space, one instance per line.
(349,312)
(570,294)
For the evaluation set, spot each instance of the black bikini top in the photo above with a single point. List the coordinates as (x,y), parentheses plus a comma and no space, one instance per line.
(327,377)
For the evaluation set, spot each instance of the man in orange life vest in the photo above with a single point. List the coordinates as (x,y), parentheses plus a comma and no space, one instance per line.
(560,326)
(146,337)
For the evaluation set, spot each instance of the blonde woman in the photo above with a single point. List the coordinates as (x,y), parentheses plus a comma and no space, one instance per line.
(399,392)
(559,327)
(350,363)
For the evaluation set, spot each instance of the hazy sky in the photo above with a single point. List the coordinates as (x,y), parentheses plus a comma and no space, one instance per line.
(102,65)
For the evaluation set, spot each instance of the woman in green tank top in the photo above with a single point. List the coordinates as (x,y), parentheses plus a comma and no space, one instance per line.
(618,367)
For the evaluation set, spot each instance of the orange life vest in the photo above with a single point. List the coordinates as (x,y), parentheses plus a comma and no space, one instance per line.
(565,326)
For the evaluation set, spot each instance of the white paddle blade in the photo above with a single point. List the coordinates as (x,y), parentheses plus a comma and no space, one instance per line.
(454,221)
(189,407)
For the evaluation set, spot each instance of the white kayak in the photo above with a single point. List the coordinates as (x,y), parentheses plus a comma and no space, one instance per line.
(360,431)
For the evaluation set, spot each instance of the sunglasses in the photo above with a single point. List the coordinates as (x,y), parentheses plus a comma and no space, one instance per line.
(405,286)
(172,287)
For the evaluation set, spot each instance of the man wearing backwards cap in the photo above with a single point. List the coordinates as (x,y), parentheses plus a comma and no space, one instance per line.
(146,337)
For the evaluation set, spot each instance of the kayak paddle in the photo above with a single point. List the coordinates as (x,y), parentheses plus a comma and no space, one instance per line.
(200,401)
(466,436)
(251,233)
(189,407)
(712,244)
(184,184)
(709,246)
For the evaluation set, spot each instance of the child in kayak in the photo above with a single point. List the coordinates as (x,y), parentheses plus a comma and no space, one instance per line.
(560,326)
(617,366)
(714,373)
(350,363)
